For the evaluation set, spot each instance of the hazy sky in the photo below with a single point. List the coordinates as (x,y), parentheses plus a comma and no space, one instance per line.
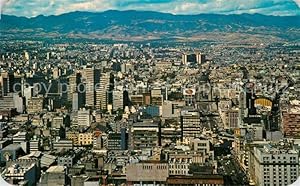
(31,8)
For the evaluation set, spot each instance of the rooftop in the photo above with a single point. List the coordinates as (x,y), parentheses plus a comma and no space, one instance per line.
(56,169)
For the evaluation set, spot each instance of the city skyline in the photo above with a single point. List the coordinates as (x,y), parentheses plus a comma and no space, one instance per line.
(150,92)
(32,8)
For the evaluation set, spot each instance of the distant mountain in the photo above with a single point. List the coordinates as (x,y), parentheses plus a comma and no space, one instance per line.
(148,25)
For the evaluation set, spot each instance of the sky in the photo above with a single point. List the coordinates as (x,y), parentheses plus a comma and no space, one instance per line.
(31,8)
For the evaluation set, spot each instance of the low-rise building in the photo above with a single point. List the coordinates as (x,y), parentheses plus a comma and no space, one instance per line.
(152,172)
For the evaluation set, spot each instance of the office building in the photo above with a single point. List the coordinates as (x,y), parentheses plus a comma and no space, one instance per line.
(117,141)
(12,101)
(63,145)
(127,67)
(190,124)
(26,56)
(232,118)
(144,135)
(66,160)
(102,91)
(57,122)
(291,123)
(34,144)
(35,105)
(91,78)
(73,85)
(84,118)
(193,58)
(85,139)
(118,100)
(200,58)
(152,172)
(7,80)
(55,175)
(23,171)
(274,164)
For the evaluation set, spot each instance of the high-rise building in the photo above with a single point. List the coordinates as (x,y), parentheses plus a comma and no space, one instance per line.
(75,101)
(184,59)
(12,101)
(193,58)
(73,83)
(102,91)
(127,67)
(18,172)
(35,105)
(48,56)
(274,164)
(117,100)
(190,124)
(7,82)
(156,97)
(91,78)
(84,118)
(144,135)
(26,56)
(232,118)
(85,138)
(200,58)
(88,75)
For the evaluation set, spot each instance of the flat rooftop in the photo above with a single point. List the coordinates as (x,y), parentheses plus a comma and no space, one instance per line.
(56,169)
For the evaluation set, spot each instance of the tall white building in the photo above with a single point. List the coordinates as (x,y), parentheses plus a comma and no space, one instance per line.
(200,58)
(184,59)
(26,56)
(117,100)
(88,76)
(75,103)
(72,83)
(84,118)
(274,165)
(101,92)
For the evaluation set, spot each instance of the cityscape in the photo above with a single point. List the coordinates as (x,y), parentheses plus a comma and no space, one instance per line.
(137,93)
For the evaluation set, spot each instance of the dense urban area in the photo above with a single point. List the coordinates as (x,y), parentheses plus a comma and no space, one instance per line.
(85,114)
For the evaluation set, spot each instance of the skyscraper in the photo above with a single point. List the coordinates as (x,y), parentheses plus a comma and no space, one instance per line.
(117,100)
(200,58)
(8,82)
(84,118)
(73,82)
(89,75)
(190,124)
(102,92)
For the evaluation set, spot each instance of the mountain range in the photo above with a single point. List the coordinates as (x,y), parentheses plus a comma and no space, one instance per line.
(147,25)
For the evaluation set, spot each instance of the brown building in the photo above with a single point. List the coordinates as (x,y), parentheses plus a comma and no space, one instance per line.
(291,124)
(137,99)
(232,118)
(157,100)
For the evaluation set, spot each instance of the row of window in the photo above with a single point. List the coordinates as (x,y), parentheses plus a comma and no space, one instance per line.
(178,166)
(149,167)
